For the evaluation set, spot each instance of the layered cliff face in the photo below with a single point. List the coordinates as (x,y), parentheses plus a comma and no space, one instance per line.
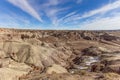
(29,54)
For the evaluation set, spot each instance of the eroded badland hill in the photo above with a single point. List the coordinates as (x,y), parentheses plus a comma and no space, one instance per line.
(59,55)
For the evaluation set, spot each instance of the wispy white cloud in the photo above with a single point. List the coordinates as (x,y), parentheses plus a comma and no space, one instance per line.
(108,23)
(51,10)
(98,23)
(53,14)
(78,1)
(26,7)
(66,16)
(51,3)
(13,20)
(101,10)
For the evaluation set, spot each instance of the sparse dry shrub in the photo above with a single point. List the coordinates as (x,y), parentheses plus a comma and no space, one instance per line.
(23,36)
(42,44)
(97,67)
(8,35)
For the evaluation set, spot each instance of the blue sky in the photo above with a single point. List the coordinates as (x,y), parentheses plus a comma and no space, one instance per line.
(60,14)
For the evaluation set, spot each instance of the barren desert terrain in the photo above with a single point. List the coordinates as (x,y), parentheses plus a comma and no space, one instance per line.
(59,55)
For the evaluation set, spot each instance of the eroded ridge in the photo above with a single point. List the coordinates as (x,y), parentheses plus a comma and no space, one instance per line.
(59,55)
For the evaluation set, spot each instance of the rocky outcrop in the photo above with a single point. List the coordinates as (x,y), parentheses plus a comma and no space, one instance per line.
(11,70)
(56,69)
(10,74)
(94,51)
(109,37)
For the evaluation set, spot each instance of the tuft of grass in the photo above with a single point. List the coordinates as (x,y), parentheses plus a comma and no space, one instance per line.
(42,44)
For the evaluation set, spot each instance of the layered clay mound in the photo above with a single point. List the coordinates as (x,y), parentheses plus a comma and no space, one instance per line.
(37,55)
(29,52)
(58,55)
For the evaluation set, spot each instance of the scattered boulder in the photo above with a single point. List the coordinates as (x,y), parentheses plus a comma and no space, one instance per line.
(56,69)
